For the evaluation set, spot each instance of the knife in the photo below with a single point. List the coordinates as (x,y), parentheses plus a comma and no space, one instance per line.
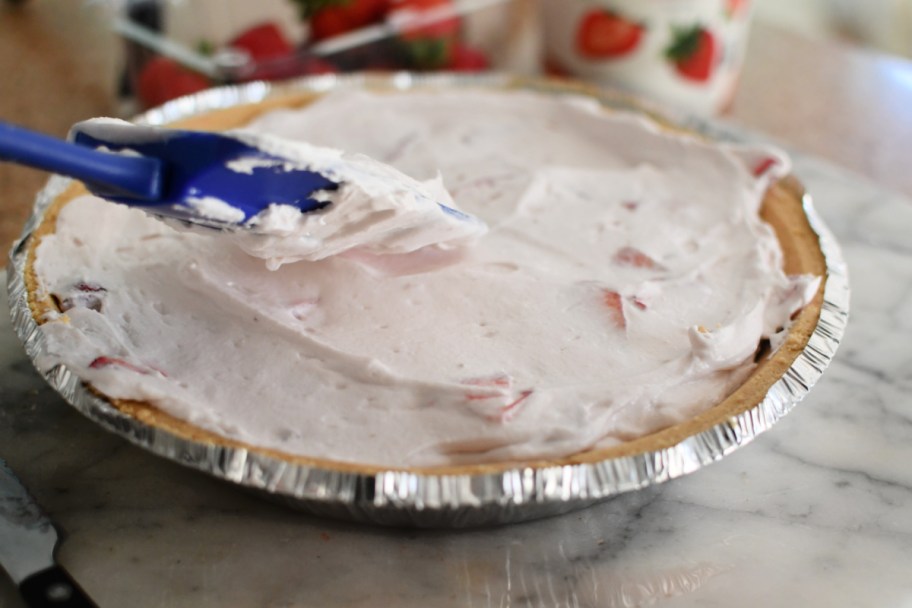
(27,543)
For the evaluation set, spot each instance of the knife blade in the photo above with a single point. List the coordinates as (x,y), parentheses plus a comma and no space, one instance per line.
(27,543)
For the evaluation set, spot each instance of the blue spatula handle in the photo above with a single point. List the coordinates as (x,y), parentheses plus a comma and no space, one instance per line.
(133,176)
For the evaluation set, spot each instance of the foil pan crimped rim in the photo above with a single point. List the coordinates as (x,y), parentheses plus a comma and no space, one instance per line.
(400,497)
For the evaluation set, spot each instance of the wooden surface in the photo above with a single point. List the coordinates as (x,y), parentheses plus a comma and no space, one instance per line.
(843,104)
(56,61)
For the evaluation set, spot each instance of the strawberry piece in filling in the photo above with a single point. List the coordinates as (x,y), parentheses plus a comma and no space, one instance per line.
(103,362)
(499,381)
(634,258)
(503,381)
(615,304)
(82,294)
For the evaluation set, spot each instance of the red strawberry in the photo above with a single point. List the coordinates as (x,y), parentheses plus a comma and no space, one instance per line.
(467,59)
(263,41)
(694,52)
(87,287)
(632,257)
(163,79)
(427,46)
(367,11)
(615,304)
(604,34)
(345,15)
(329,22)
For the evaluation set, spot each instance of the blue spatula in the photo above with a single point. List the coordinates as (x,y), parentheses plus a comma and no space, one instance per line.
(166,171)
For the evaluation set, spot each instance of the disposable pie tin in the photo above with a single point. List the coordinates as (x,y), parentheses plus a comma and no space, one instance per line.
(483,495)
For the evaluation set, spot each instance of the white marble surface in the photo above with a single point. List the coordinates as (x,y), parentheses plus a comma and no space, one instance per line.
(816,512)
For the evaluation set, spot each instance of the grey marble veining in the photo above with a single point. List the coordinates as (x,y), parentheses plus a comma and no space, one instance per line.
(816,512)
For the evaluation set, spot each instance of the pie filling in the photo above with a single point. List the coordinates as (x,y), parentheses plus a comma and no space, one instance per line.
(625,284)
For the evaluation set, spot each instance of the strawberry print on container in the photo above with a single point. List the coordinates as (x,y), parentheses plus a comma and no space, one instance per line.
(684,53)
(604,34)
(694,52)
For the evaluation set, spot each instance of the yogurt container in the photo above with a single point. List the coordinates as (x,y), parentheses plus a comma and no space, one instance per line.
(685,53)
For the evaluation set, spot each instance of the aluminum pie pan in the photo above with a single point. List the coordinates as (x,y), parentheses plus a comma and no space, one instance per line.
(506,493)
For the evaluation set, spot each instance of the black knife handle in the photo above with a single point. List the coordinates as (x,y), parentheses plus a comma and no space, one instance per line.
(53,588)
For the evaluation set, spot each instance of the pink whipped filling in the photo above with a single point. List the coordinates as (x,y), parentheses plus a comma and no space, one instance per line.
(624,285)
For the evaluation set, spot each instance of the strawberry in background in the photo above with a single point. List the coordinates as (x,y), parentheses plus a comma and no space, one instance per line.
(424,46)
(330,18)
(694,52)
(427,46)
(467,59)
(605,34)
(274,57)
(162,79)
(263,41)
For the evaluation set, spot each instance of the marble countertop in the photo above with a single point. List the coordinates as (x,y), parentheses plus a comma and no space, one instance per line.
(816,512)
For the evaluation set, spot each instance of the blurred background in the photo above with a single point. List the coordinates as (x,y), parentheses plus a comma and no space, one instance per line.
(67,60)
(486,35)
(885,25)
